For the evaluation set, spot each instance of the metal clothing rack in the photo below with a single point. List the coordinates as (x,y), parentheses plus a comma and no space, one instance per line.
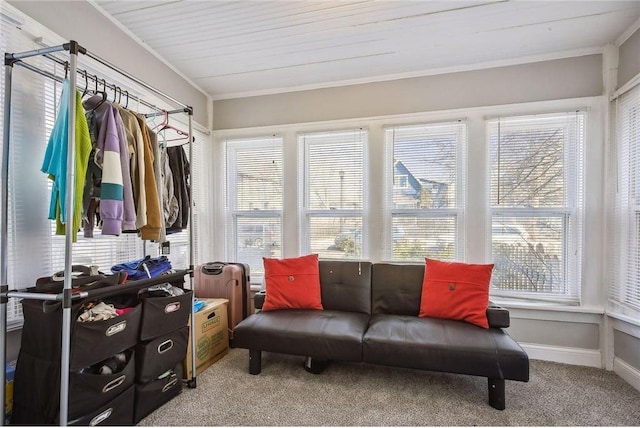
(67,295)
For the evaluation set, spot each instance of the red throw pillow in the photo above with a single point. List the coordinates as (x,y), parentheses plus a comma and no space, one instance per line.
(292,283)
(457,291)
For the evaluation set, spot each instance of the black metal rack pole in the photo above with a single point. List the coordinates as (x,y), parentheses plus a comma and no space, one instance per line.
(192,381)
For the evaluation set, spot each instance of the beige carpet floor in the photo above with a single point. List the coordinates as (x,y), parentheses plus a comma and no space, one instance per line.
(352,394)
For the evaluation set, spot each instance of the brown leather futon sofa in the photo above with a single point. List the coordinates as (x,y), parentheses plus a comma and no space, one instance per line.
(371,315)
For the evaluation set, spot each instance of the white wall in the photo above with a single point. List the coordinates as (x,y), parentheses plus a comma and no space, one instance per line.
(538,81)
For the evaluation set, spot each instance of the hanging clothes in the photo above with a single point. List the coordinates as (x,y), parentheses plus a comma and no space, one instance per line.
(150,231)
(135,142)
(108,185)
(155,150)
(170,206)
(55,161)
(180,169)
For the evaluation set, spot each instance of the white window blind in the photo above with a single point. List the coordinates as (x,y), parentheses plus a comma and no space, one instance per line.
(624,254)
(28,228)
(253,198)
(425,191)
(536,203)
(332,179)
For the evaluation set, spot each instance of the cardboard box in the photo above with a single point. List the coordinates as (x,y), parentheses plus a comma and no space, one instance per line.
(212,336)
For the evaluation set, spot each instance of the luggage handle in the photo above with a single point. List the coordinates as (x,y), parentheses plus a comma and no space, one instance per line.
(114,383)
(214,268)
(101,417)
(170,384)
(165,346)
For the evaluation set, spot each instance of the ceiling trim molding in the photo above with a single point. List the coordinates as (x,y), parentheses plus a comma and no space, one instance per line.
(421,73)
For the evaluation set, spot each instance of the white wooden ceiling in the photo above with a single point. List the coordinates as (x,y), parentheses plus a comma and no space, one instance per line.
(243,47)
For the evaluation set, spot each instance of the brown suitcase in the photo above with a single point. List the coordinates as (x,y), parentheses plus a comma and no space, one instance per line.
(229,281)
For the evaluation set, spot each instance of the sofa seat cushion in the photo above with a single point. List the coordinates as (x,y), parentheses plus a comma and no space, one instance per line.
(444,346)
(332,335)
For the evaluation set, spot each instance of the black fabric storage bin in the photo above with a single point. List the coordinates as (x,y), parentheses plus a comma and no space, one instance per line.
(94,341)
(88,390)
(118,411)
(36,391)
(152,395)
(155,357)
(162,315)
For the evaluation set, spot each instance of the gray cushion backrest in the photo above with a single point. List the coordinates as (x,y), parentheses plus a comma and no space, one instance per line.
(346,285)
(396,289)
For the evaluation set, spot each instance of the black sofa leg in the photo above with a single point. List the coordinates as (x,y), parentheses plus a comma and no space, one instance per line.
(255,361)
(314,365)
(496,393)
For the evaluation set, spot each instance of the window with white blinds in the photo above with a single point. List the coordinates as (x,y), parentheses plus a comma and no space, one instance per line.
(332,185)
(254,200)
(33,248)
(536,205)
(425,191)
(624,254)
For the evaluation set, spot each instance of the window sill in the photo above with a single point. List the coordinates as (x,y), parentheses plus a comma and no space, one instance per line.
(554,312)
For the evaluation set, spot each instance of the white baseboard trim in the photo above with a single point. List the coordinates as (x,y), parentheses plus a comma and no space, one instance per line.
(560,354)
(627,372)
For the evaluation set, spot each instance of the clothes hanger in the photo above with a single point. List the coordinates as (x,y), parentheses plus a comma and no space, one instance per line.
(165,120)
(86,84)
(182,134)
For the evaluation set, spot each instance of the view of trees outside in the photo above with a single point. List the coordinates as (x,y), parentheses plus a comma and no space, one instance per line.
(534,191)
(426,170)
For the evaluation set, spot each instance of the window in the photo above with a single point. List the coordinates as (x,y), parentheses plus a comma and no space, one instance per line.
(254,200)
(536,204)
(624,259)
(426,205)
(332,181)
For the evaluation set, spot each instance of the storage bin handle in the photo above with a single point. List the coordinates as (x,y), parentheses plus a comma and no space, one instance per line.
(171,307)
(114,384)
(101,417)
(170,384)
(165,346)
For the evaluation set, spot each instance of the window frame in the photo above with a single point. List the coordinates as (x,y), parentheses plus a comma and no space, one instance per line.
(457,212)
(625,213)
(232,213)
(306,213)
(571,213)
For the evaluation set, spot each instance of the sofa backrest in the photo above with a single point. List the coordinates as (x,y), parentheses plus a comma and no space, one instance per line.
(346,285)
(396,288)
